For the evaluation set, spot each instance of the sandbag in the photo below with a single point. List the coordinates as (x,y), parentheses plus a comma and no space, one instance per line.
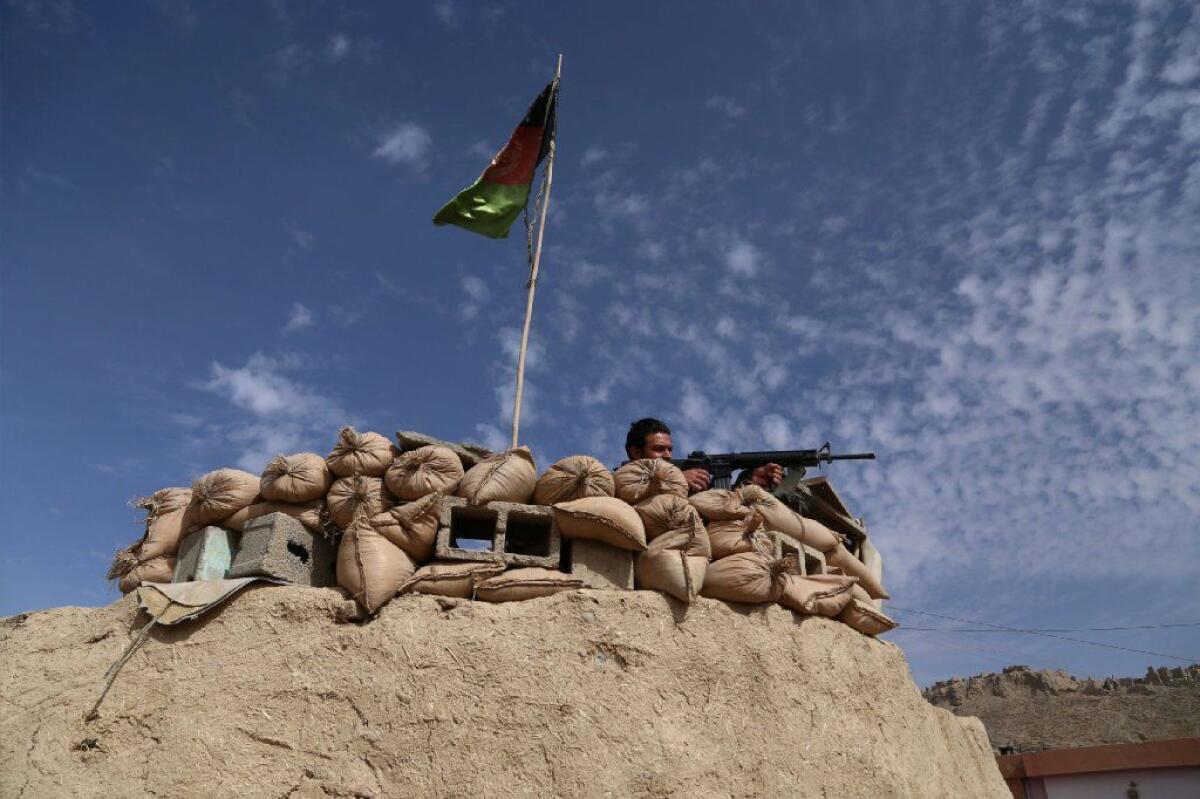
(358,494)
(302,477)
(507,476)
(370,567)
(574,477)
(360,453)
(412,526)
(606,519)
(731,536)
(220,494)
(719,504)
(450,579)
(154,570)
(163,501)
(674,563)
(639,480)
(423,471)
(779,517)
(163,535)
(310,514)
(817,594)
(746,577)
(528,583)
(863,617)
(667,512)
(841,558)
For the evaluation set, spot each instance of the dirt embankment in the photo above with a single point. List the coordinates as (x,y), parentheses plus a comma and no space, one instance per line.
(1034,710)
(588,693)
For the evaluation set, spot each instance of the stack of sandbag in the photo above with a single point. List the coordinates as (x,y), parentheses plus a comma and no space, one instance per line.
(739,522)
(151,559)
(292,484)
(388,510)
(172,513)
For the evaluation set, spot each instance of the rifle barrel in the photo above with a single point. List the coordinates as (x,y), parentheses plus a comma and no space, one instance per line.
(854,456)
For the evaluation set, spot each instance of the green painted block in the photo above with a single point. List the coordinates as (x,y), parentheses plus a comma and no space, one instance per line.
(206,555)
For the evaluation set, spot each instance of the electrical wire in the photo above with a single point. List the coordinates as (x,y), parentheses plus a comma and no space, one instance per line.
(1053,629)
(1005,628)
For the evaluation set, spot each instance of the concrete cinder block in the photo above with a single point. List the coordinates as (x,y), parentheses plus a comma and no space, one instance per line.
(808,560)
(276,545)
(498,532)
(599,565)
(206,554)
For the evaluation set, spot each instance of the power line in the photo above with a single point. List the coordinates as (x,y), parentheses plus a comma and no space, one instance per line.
(1045,635)
(1052,629)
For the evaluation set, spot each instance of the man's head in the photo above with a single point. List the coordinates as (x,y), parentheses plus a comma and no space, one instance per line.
(648,438)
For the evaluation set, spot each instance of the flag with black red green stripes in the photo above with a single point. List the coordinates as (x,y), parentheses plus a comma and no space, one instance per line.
(491,204)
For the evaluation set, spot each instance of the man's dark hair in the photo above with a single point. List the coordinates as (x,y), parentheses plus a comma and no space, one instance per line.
(636,437)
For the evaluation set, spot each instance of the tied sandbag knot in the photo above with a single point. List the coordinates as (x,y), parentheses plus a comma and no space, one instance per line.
(123,562)
(280,466)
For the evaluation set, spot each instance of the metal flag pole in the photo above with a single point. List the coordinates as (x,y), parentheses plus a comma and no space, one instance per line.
(533,269)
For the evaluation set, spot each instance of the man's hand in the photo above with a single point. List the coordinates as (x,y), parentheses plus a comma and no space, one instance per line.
(697,480)
(768,475)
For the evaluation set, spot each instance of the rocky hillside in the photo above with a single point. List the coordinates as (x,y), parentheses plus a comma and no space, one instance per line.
(587,693)
(1034,710)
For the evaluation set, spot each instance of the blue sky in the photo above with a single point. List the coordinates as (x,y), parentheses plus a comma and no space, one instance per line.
(963,235)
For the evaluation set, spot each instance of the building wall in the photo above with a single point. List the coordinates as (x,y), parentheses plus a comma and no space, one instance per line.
(1159,783)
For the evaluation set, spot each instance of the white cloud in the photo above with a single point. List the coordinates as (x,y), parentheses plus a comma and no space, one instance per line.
(302,238)
(299,318)
(477,293)
(448,13)
(338,47)
(406,143)
(743,258)
(274,411)
(1184,66)
(592,156)
(725,105)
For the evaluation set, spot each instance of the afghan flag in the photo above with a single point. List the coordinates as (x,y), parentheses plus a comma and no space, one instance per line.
(491,204)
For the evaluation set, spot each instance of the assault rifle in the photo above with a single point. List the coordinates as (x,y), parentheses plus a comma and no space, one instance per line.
(793,461)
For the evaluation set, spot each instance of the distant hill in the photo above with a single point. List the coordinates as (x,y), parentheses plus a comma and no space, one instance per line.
(1034,710)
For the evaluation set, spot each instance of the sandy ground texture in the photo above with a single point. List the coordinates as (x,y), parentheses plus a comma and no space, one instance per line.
(588,693)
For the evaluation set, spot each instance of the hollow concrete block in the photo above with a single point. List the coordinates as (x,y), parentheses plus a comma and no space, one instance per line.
(276,545)
(808,560)
(506,532)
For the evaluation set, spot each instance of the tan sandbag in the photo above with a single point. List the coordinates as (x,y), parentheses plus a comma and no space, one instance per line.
(423,471)
(780,518)
(746,577)
(163,501)
(574,477)
(360,453)
(358,494)
(639,480)
(302,477)
(674,563)
(154,570)
(507,476)
(310,514)
(370,567)
(731,536)
(841,558)
(528,583)
(817,594)
(719,504)
(412,526)
(859,593)
(863,617)
(667,512)
(450,579)
(606,519)
(163,535)
(220,494)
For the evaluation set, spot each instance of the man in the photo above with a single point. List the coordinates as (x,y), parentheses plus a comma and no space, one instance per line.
(650,438)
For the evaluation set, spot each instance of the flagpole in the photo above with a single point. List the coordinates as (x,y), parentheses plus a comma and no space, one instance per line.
(533,275)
